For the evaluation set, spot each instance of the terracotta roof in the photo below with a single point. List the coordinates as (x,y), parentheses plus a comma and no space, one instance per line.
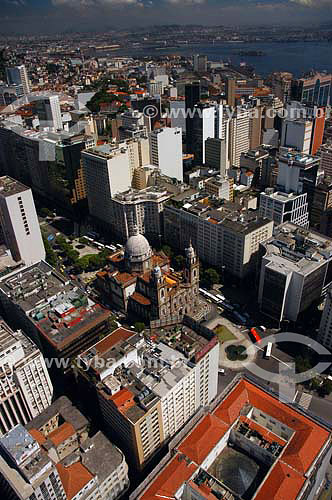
(203,438)
(123,400)
(284,483)
(287,477)
(144,301)
(170,479)
(38,436)
(120,334)
(73,478)
(62,433)
(124,278)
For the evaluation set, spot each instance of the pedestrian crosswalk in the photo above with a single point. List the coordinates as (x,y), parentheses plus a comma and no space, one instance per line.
(305,400)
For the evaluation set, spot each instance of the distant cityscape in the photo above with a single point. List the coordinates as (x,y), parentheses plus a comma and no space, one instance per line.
(165,265)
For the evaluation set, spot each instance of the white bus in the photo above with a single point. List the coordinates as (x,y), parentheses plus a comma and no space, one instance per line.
(268,350)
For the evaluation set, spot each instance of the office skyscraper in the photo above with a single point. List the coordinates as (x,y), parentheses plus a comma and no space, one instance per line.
(192,97)
(166,151)
(49,112)
(25,386)
(19,222)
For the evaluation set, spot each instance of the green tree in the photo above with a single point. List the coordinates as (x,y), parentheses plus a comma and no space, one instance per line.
(45,212)
(51,256)
(325,389)
(139,326)
(211,277)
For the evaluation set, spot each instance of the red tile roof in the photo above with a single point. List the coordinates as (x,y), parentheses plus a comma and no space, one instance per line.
(170,479)
(119,335)
(38,436)
(138,297)
(287,476)
(73,478)
(62,433)
(203,438)
(284,483)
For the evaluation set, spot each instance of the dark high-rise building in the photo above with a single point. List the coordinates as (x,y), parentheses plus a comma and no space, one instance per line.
(314,88)
(192,96)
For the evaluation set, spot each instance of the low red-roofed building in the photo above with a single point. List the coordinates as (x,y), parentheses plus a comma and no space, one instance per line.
(282,453)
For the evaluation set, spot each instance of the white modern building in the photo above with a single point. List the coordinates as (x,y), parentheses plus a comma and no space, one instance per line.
(166,151)
(25,386)
(239,135)
(19,222)
(49,112)
(284,207)
(297,134)
(294,271)
(107,172)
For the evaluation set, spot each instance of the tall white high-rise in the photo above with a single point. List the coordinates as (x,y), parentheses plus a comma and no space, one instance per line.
(18,75)
(49,112)
(239,135)
(107,172)
(25,386)
(166,151)
(19,222)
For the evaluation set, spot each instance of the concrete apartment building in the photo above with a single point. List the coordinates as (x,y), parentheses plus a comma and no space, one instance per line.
(284,207)
(221,188)
(107,172)
(19,222)
(88,466)
(239,135)
(297,134)
(227,237)
(285,452)
(295,271)
(26,472)
(152,388)
(298,173)
(166,151)
(216,155)
(58,316)
(66,463)
(25,386)
(143,208)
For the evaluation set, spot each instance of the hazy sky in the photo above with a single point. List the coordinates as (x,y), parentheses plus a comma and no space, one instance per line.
(61,15)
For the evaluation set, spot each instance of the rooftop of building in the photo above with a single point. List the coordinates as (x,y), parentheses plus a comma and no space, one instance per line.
(100,456)
(74,478)
(10,186)
(59,309)
(279,195)
(105,151)
(230,215)
(152,193)
(248,410)
(293,248)
(297,159)
(61,407)
(145,368)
